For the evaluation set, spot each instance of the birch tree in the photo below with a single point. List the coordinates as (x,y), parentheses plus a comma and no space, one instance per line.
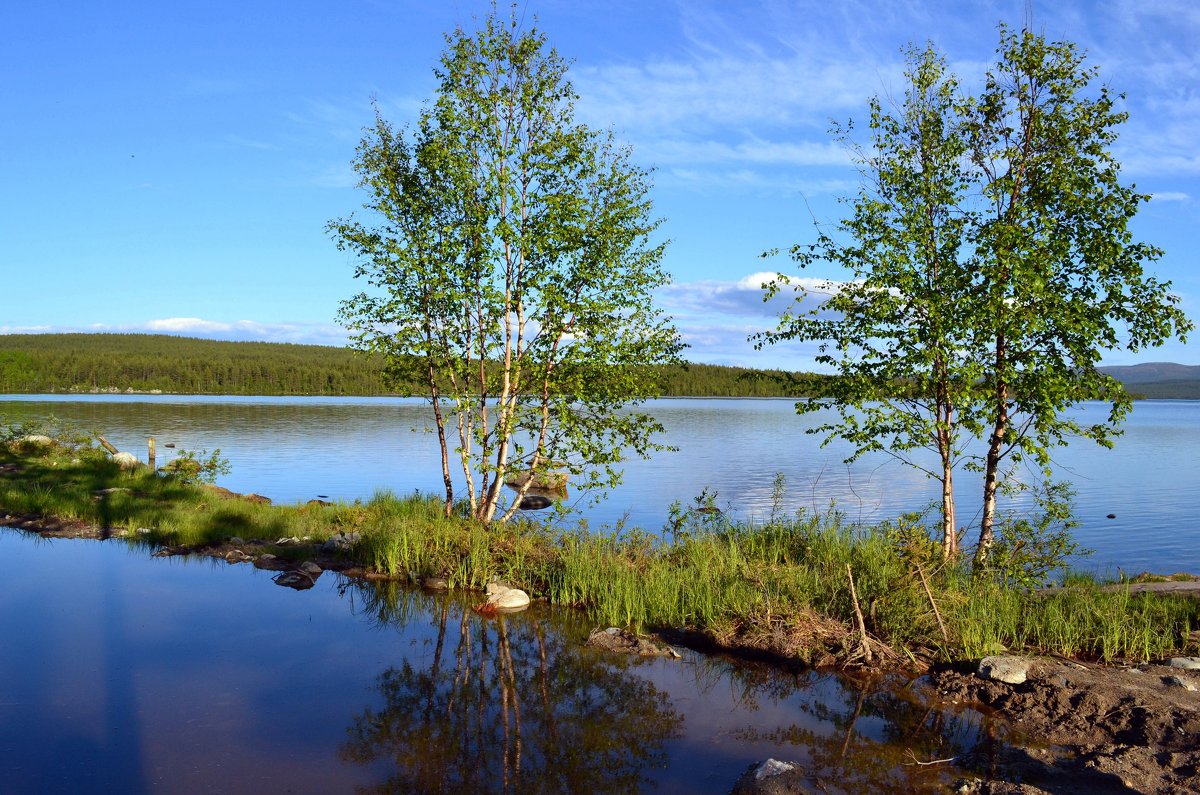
(1060,275)
(510,254)
(892,329)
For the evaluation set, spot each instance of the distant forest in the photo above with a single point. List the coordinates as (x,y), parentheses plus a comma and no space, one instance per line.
(50,363)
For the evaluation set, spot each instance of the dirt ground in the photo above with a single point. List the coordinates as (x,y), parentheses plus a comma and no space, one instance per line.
(1085,729)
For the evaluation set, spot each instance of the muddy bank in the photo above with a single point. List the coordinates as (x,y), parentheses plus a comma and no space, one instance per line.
(1075,728)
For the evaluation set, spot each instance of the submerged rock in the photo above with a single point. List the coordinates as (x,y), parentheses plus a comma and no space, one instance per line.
(1004,668)
(297,580)
(622,641)
(435,583)
(774,777)
(534,502)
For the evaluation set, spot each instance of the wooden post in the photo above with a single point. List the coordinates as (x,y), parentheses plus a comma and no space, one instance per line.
(153,468)
(105,444)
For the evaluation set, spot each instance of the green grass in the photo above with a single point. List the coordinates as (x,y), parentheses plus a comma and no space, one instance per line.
(781,586)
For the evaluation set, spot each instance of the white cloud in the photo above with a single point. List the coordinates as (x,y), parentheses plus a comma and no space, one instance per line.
(181,325)
(742,298)
(1169,196)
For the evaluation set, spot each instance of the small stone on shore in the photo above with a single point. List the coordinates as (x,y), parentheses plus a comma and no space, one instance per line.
(1007,669)
(1187,663)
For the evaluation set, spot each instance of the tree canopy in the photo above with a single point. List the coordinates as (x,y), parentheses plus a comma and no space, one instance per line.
(511,253)
(990,265)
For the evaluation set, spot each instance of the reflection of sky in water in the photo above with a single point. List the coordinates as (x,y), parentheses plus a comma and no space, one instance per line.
(296,448)
(125,673)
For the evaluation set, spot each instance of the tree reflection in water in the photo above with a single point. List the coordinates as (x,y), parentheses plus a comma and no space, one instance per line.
(505,706)
(517,705)
(874,736)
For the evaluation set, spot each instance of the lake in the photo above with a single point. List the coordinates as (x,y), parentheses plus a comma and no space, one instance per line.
(292,449)
(131,674)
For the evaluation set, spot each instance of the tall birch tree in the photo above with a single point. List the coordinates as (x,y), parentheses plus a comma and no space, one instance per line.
(510,254)
(1060,275)
(893,328)
(991,265)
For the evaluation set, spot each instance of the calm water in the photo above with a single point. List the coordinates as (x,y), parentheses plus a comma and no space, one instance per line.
(125,673)
(298,448)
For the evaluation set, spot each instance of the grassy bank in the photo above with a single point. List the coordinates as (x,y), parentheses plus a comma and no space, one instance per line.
(791,587)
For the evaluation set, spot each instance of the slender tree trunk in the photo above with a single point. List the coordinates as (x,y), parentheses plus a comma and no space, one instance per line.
(440,421)
(991,478)
(949,522)
(945,445)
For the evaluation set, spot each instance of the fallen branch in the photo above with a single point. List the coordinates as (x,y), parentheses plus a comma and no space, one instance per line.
(937,613)
(916,761)
(862,625)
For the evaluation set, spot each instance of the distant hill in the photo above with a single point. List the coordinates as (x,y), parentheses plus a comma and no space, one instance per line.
(1153,373)
(49,363)
(1159,380)
(86,363)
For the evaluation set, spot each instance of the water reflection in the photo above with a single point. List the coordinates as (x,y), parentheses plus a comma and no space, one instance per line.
(130,673)
(507,706)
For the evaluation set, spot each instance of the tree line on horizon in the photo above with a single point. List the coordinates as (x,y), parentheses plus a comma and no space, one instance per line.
(57,363)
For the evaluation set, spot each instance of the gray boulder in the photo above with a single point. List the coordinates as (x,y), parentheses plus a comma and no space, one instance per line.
(126,461)
(342,542)
(1004,668)
(1187,663)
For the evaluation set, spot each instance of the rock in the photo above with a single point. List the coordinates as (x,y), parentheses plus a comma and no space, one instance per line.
(288,541)
(220,491)
(622,641)
(774,777)
(265,561)
(342,542)
(35,440)
(126,461)
(1010,670)
(1187,663)
(257,499)
(236,541)
(311,569)
(297,580)
(318,503)
(502,597)
(534,502)
(435,583)
(108,491)
(1179,681)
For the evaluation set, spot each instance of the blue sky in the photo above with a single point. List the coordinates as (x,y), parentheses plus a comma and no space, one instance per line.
(170,166)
